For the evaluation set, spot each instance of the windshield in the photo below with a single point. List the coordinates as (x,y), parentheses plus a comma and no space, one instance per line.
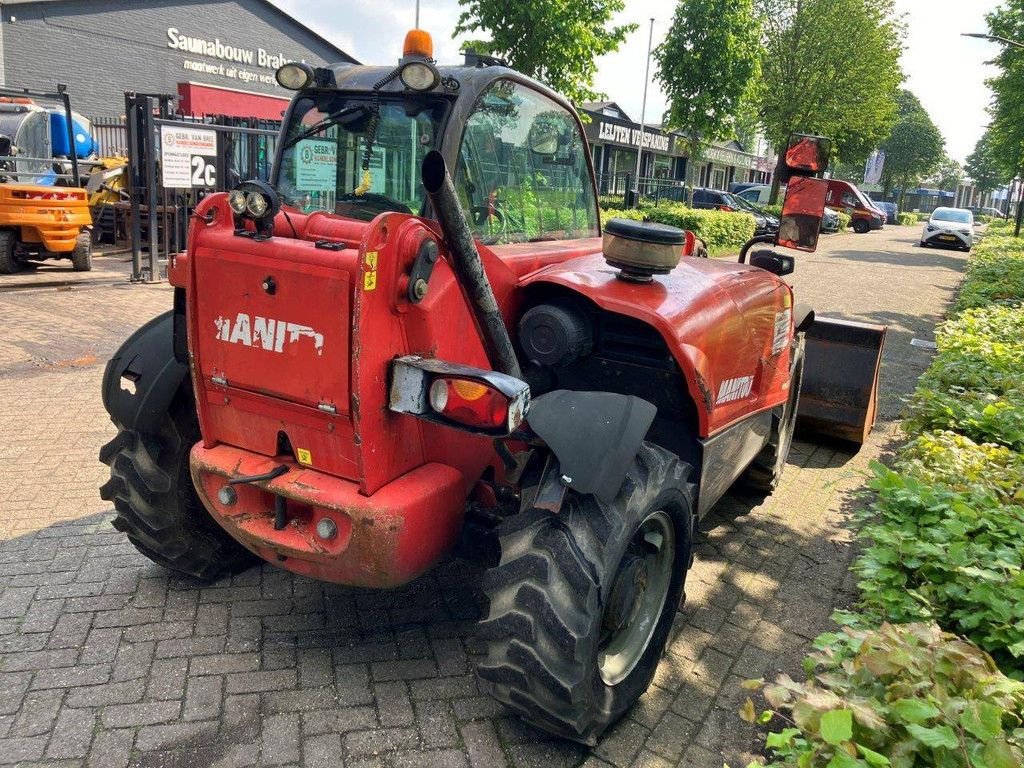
(957,216)
(738,202)
(325,163)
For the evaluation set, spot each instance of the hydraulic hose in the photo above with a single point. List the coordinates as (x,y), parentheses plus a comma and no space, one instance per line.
(468,268)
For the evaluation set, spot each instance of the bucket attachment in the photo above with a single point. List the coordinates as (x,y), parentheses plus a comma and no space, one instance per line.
(839,394)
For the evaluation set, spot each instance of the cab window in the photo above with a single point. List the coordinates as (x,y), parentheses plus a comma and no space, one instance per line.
(522,172)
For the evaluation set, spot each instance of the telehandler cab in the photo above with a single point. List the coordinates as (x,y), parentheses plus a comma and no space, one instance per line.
(419,316)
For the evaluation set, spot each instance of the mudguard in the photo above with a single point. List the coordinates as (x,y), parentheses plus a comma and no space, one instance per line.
(143,376)
(594,436)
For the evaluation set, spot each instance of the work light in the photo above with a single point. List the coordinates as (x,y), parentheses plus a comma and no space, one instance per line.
(419,76)
(295,76)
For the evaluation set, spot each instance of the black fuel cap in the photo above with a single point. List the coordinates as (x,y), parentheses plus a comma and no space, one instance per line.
(645,231)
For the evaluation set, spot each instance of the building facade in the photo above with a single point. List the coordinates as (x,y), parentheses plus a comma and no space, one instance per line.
(614,139)
(216,56)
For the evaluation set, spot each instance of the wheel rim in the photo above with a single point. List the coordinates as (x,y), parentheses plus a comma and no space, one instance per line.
(637,597)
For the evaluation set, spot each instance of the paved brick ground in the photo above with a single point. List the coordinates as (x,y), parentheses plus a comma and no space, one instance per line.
(105,660)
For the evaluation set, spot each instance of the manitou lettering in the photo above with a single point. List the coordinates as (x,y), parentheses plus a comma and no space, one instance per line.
(265,332)
(734,389)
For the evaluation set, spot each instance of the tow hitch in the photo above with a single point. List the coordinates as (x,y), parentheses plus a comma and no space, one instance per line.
(227,495)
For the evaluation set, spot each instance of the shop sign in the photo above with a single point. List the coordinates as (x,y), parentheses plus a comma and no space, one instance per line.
(188,157)
(215,49)
(316,164)
(624,134)
(724,156)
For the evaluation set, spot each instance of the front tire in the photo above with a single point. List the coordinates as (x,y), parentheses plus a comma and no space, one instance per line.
(9,262)
(81,256)
(156,503)
(582,602)
(861,227)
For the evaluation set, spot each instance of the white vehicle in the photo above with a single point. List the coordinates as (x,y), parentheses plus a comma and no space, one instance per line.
(759,194)
(949,227)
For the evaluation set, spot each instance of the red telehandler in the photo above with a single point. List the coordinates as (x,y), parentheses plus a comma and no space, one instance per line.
(420,316)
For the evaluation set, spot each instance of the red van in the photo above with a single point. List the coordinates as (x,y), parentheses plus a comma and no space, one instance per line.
(844,196)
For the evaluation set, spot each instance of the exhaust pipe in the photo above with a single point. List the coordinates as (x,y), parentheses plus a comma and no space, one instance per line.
(468,268)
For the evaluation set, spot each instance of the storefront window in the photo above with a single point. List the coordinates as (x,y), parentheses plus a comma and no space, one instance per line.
(522,172)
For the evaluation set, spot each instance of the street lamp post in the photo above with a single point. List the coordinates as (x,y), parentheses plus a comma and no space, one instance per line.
(643,116)
(1013,44)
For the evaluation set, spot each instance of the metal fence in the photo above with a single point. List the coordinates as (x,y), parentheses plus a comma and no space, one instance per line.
(111,136)
(614,187)
(159,207)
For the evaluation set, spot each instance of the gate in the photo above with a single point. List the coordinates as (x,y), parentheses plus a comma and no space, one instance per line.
(174,161)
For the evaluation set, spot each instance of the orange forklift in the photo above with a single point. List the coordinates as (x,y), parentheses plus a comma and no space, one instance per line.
(44,211)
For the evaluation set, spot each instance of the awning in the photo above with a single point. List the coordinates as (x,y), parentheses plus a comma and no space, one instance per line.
(198,99)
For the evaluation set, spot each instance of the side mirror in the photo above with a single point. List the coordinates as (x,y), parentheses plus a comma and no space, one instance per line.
(802,212)
(805,156)
(776,263)
(543,139)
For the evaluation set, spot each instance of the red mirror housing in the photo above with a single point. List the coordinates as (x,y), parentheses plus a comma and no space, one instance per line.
(805,156)
(802,212)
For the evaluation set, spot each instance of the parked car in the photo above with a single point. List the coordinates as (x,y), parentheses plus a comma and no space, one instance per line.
(716,199)
(830,221)
(892,213)
(995,213)
(949,227)
(759,194)
(738,186)
(771,224)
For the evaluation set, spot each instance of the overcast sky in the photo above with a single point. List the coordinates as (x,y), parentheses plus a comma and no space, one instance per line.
(946,71)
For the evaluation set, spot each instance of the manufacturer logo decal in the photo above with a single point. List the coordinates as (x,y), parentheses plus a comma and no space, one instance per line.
(370,275)
(782,321)
(271,335)
(734,389)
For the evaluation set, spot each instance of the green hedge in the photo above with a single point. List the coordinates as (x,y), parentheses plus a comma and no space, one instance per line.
(844,220)
(722,231)
(907,219)
(943,546)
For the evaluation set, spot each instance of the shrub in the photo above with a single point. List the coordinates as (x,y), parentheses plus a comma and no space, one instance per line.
(722,231)
(922,216)
(946,555)
(608,202)
(906,697)
(957,462)
(774,210)
(844,220)
(907,219)
(995,272)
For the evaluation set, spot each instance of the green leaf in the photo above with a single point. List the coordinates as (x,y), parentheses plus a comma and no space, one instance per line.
(937,737)
(915,710)
(999,754)
(982,719)
(837,726)
(873,758)
(782,739)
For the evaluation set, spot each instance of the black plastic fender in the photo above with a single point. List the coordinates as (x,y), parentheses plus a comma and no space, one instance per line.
(143,376)
(594,436)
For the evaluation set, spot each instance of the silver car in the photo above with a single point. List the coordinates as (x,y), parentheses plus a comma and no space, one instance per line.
(949,227)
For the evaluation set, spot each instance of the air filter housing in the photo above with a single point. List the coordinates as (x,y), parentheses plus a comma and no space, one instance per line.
(641,250)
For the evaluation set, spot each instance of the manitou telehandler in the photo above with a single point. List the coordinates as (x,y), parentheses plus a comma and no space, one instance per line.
(418,317)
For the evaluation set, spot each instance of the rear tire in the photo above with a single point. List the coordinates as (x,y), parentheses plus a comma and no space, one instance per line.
(9,263)
(765,471)
(81,256)
(861,227)
(582,602)
(156,503)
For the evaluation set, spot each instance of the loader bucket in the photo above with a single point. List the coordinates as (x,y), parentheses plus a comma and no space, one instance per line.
(839,394)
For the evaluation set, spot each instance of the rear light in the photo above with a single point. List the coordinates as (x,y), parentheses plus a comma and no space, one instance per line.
(469,402)
(470,399)
(727,208)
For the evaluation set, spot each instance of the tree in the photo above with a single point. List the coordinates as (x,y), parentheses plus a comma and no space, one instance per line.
(984,168)
(1006,130)
(947,174)
(914,147)
(831,67)
(554,41)
(706,64)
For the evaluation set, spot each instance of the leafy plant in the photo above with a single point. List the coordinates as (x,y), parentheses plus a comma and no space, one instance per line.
(721,230)
(957,462)
(907,219)
(903,696)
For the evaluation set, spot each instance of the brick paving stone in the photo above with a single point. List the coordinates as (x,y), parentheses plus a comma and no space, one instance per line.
(108,660)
